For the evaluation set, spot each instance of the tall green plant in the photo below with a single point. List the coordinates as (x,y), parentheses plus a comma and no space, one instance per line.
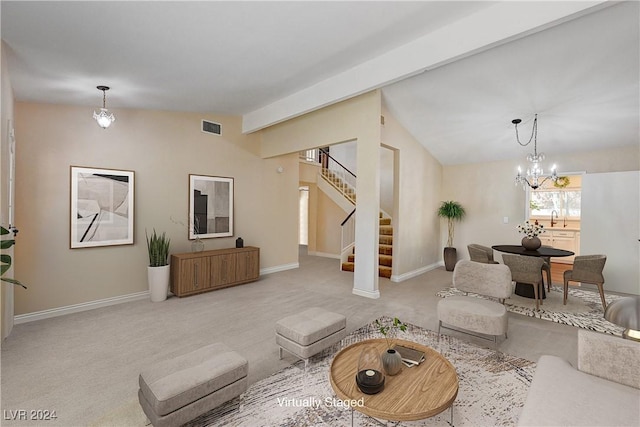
(453,211)
(158,247)
(5,259)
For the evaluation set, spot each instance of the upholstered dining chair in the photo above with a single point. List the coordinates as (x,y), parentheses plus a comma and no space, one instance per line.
(546,267)
(526,269)
(586,269)
(479,253)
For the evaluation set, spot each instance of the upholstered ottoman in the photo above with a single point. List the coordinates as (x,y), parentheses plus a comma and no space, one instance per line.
(308,333)
(178,390)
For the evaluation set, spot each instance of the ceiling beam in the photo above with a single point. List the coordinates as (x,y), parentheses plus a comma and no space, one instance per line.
(500,23)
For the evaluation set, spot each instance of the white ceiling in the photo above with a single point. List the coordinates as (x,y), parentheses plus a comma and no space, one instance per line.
(581,77)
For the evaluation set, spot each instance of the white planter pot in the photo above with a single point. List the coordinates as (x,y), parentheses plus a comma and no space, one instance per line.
(158,278)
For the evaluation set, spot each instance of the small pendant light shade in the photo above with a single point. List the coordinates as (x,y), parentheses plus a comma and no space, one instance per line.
(104,117)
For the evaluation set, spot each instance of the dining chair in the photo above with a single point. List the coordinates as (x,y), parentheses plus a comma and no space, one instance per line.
(546,267)
(586,269)
(479,253)
(528,270)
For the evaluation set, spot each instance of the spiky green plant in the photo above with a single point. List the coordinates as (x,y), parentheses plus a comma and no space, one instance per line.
(158,247)
(5,259)
(452,211)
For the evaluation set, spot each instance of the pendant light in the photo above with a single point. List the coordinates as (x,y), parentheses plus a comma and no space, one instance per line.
(104,117)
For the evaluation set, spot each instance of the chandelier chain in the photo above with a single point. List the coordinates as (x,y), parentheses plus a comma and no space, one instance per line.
(534,135)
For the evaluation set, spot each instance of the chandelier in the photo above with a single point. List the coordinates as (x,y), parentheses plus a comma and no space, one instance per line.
(534,175)
(104,117)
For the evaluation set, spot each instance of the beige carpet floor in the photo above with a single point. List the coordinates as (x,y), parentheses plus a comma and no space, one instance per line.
(85,365)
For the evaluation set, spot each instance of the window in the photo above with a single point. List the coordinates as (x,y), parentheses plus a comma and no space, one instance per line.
(562,197)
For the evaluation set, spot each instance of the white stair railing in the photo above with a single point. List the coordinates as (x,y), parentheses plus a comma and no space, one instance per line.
(336,174)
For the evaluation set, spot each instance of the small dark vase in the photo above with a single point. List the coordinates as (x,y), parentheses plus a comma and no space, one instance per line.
(450,258)
(531,244)
(239,242)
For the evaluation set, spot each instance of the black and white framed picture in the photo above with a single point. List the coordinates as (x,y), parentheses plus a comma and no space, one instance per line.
(101,207)
(210,206)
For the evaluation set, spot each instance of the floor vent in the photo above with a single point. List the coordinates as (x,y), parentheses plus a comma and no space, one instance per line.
(211,127)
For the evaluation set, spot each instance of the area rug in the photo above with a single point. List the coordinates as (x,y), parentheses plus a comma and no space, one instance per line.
(583,309)
(492,389)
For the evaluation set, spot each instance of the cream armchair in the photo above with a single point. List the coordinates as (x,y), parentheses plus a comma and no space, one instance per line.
(473,314)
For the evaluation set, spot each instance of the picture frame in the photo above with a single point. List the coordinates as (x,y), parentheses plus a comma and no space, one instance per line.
(210,206)
(102,207)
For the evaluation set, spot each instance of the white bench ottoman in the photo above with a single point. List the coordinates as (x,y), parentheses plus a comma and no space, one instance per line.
(308,333)
(178,390)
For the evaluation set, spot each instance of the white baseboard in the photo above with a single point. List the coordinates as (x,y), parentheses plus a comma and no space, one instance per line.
(278,268)
(324,254)
(76,308)
(368,294)
(414,273)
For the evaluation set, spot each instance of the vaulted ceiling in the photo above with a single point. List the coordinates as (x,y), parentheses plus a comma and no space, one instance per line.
(453,73)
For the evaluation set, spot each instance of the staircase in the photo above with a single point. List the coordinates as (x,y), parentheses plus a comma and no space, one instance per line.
(344,181)
(385,250)
(340,184)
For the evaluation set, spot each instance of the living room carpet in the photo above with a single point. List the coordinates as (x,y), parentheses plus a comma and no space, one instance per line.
(492,389)
(583,308)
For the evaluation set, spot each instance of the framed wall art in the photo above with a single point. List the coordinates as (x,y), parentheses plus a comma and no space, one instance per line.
(101,207)
(210,206)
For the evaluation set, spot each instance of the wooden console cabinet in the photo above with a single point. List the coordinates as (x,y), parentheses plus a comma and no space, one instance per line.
(196,272)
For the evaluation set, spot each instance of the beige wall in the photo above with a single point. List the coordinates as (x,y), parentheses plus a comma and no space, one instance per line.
(328,231)
(386,179)
(357,119)
(163,148)
(334,124)
(487,192)
(416,225)
(6,115)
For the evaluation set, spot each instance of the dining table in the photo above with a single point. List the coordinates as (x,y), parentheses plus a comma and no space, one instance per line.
(526,290)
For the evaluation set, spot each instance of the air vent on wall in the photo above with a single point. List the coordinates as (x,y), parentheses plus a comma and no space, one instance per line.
(211,127)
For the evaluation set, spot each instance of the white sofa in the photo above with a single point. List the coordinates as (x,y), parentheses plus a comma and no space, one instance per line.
(604,390)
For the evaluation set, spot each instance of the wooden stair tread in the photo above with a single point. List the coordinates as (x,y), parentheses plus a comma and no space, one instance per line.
(386,230)
(348,266)
(384,271)
(385,249)
(385,260)
(385,239)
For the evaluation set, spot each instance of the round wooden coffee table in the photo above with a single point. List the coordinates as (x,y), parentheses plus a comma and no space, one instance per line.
(415,393)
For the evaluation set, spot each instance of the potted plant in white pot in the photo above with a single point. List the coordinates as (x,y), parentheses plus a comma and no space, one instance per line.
(158,270)
(453,211)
